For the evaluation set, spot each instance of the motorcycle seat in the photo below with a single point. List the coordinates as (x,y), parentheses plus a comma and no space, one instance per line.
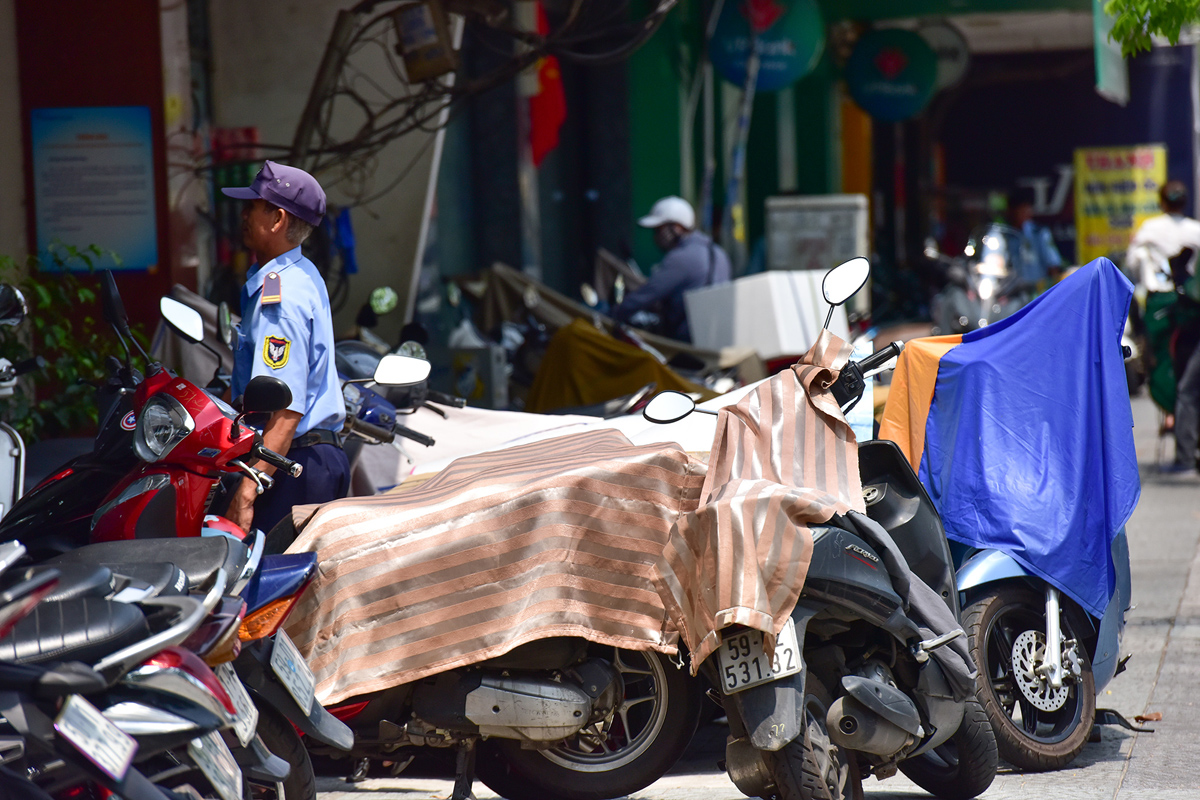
(84,629)
(159,578)
(79,580)
(197,557)
(167,579)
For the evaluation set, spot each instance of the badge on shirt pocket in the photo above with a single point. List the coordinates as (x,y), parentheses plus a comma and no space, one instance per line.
(275,351)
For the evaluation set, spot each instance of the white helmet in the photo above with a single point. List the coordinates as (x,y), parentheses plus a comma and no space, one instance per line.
(670,209)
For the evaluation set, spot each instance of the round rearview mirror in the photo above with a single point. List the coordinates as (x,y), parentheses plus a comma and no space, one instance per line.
(843,281)
(225,324)
(12,305)
(266,394)
(667,407)
(183,319)
(395,370)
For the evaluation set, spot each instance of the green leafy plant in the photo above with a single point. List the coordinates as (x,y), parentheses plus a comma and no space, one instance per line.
(64,327)
(1135,22)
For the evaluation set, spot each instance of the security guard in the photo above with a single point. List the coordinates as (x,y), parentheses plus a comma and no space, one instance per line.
(287,332)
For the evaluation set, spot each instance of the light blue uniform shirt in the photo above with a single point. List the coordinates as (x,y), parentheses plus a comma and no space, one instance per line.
(291,340)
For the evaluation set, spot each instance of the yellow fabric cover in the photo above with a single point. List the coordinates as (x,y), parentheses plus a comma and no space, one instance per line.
(911,394)
(583,366)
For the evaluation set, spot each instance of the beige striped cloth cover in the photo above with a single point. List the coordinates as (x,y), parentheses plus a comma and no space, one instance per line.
(585,535)
(782,458)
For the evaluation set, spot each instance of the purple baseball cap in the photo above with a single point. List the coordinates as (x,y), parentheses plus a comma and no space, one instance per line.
(290,188)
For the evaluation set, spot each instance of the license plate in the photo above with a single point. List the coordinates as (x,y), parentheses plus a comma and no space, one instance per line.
(744,664)
(295,675)
(247,713)
(213,758)
(91,733)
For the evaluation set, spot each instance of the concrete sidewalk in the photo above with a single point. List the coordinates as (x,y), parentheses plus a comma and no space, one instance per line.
(1163,634)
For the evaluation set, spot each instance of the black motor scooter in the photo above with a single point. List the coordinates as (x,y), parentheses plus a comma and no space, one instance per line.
(863,678)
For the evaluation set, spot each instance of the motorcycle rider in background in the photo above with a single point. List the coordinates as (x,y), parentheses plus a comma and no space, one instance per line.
(691,260)
(1156,243)
(1174,239)
(1033,257)
(287,332)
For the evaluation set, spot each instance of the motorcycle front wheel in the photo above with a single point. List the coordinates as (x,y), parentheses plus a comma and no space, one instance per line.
(1037,727)
(645,737)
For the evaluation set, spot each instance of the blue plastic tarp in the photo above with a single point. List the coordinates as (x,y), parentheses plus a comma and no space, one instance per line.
(1029,442)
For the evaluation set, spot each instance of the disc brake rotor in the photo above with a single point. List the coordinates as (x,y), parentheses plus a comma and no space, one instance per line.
(1028,651)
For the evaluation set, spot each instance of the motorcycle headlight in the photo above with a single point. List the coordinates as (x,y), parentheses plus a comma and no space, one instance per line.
(163,423)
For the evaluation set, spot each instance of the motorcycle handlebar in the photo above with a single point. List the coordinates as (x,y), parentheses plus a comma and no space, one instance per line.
(441,398)
(369,431)
(877,360)
(22,367)
(276,460)
(416,436)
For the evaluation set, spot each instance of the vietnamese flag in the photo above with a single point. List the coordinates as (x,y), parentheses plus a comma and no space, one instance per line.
(547,108)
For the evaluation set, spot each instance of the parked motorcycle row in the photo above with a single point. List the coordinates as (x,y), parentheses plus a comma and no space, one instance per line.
(143,652)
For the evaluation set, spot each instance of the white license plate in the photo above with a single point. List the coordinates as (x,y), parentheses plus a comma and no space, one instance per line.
(213,758)
(247,713)
(744,664)
(91,733)
(295,675)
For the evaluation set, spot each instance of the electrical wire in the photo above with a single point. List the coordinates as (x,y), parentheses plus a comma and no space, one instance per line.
(388,114)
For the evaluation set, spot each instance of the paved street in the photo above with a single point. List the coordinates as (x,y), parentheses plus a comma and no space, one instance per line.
(1163,635)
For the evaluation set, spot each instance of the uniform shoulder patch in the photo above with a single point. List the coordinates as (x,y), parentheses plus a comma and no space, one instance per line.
(276,350)
(272,290)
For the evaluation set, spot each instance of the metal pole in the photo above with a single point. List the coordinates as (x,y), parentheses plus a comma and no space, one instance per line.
(439,140)
(733,231)
(710,147)
(528,85)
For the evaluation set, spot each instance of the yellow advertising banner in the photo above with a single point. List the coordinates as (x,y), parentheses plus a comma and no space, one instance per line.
(1115,189)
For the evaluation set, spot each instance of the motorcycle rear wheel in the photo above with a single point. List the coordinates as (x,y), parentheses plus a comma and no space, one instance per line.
(1027,737)
(964,766)
(650,730)
(811,767)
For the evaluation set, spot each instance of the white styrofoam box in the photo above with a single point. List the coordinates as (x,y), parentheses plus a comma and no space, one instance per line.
(777,313)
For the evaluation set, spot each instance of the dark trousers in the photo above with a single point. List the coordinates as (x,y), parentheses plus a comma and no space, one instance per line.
(326,477)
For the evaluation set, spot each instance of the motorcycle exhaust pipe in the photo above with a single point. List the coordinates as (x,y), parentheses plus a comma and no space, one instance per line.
(855,727)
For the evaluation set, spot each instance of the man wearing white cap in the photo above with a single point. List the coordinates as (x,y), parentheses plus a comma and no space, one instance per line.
(691,260)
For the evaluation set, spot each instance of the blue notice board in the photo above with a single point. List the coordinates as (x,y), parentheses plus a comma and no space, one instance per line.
(93,184)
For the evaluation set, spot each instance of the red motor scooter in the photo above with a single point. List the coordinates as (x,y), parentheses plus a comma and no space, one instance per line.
(188,439)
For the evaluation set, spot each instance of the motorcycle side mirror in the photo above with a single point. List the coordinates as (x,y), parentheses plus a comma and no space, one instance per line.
(843,282)
(397,370)
(670,406)
(225,324)
(111,305)
(265,395)
(12,305)
(183,319)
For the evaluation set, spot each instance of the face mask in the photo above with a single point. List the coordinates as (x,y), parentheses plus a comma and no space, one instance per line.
(666,237)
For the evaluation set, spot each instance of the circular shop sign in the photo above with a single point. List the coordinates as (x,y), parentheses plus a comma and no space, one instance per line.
(950,47)
(788,49)
(892,74)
